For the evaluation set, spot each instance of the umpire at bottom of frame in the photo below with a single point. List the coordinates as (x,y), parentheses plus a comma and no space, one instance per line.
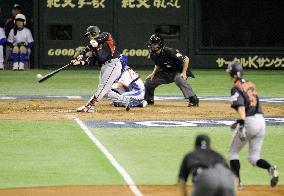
(211,175)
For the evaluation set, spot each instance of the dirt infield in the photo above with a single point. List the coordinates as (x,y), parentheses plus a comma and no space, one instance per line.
(163,110)
(260,190)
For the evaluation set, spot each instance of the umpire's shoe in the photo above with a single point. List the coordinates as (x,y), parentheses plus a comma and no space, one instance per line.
(150,102)
(193,101)
(273,172)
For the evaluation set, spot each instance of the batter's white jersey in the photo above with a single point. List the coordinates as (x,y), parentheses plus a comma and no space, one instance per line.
(23,36)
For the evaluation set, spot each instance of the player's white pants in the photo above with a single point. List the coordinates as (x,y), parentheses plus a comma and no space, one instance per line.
(1,56)
(255,131)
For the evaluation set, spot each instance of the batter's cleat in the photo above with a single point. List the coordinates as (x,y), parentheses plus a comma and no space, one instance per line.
(88,109)
(273,173)
(193,101)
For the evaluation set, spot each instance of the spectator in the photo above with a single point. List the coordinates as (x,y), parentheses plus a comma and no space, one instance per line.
(211,174)
(2,41)
(9,23)
(20,40)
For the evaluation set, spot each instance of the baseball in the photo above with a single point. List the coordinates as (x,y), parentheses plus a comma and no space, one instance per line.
(38,76)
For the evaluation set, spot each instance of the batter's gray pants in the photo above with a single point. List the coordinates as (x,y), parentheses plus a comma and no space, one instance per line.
(216,181)
(167,78)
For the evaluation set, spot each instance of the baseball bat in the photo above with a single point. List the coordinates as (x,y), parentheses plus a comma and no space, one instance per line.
(45,77)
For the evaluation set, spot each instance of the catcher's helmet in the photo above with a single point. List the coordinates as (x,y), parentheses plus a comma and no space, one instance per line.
(94,30)
(156,39)
(202,141)
(235,69)
(123,59)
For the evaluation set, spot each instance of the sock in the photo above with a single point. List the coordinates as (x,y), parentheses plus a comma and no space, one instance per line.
(22,57)
(235,167)
(263,164)
(14,57)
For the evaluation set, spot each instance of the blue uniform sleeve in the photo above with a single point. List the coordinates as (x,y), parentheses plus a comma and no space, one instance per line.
(2,41)
(237,98)
(30,45)
(10,44)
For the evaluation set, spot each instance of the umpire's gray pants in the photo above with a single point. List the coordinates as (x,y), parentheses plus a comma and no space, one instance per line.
(167,78)
(216,181)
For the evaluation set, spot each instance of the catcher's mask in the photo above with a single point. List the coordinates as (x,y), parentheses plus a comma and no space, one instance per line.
(235,70)
(94,30)
(202,141)
(155,39)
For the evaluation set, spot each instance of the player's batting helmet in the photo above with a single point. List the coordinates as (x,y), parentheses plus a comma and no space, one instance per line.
(202,141)
(21,17)
(235,69)
(156,39)
(94,30)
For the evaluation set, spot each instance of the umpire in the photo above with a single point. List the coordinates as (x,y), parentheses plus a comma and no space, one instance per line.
(170,66)
(211,175)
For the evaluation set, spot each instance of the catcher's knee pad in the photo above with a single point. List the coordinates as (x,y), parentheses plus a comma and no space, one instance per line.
(253,160)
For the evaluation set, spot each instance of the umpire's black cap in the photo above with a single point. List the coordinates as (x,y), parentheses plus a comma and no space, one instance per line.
(202,141)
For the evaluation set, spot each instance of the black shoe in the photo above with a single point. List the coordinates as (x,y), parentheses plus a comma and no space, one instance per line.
(150,102)
(193,101)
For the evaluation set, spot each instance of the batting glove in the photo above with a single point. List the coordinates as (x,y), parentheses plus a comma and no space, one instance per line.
(94,43)
(80,57)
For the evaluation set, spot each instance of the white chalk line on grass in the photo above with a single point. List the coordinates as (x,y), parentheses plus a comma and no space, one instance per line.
(109,156)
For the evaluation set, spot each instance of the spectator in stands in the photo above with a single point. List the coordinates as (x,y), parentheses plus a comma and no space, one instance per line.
(10,22)
(20,40)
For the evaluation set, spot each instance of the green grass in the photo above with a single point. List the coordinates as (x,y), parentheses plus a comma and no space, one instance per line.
(45,153)
(84,82)
(153,156)
(39,153)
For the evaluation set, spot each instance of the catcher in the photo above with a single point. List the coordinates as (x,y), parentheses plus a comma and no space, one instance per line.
(250,128)
(129,84)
